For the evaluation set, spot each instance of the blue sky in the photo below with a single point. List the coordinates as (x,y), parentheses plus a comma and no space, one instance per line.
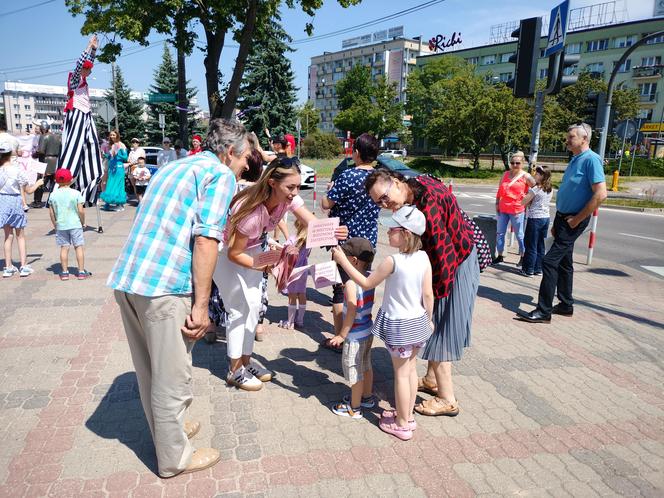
(45,36)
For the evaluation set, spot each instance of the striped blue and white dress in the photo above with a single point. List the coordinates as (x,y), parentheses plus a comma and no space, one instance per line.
(402,319)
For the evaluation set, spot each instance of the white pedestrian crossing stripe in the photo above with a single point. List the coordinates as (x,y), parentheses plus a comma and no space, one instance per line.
(659,270)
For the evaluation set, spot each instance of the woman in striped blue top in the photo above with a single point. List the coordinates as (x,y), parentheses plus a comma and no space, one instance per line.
(404,318)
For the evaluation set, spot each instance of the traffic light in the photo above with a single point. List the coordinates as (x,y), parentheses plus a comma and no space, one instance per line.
(561,80)
(594,109)
(526,56)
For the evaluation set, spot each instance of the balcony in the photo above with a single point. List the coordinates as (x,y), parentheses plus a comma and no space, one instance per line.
(647,72)
(650,98)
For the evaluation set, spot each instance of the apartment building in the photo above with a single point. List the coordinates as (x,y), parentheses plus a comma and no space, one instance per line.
(387,53)
(599,49)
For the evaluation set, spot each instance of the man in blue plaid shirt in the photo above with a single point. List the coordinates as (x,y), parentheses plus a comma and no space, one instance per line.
(162,281)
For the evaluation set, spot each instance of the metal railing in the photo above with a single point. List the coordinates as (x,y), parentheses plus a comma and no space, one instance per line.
(651,97)
(647,71)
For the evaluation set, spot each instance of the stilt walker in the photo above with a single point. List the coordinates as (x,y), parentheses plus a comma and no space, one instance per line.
(80,142)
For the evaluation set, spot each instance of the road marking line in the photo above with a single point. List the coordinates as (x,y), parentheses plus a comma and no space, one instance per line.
(642,237)
(655,269)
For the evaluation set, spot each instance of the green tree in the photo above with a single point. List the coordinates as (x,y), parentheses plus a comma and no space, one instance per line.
(309,118)
(421,82)
(166,81)
(135,20)
(367,105)
(268,93)
(130,110)
(569,107)
(513,122)
(321,145)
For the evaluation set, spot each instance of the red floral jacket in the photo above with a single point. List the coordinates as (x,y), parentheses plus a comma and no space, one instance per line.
(448,239)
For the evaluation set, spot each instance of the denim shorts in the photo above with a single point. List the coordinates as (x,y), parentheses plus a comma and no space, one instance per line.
(71,237)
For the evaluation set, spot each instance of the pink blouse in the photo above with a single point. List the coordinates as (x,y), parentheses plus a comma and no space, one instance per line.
(260,220)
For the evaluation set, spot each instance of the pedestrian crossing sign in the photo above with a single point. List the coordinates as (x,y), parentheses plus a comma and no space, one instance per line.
(557,29)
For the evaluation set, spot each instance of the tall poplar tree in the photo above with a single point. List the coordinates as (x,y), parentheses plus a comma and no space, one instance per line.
(166,81)
(268,93)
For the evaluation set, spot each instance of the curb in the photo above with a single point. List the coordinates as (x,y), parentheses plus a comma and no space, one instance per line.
(632,208)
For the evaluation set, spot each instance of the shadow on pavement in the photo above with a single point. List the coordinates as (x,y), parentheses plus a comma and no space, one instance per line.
(609,272)
(120,416)
(509,301)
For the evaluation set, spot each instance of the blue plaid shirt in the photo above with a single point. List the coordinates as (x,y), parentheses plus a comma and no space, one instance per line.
(185,198)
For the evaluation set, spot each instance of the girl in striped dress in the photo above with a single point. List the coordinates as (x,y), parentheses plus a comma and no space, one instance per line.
(404,318)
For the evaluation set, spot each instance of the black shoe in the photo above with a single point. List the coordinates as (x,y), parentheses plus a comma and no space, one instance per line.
(36,205)
(559,309)
(497,259)
(535,316)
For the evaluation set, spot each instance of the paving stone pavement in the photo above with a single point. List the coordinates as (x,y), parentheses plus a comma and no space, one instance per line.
(575,408)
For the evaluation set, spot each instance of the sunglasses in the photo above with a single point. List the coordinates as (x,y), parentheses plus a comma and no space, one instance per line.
(515,162)
(385,198)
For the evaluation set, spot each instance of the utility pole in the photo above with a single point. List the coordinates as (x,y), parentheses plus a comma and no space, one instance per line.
(115,97)
(183,103)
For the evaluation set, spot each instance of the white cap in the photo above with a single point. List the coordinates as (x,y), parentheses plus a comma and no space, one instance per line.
(5,147)
(408,217)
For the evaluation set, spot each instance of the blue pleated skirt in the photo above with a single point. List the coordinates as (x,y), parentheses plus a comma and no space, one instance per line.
(11,211)
(453,315)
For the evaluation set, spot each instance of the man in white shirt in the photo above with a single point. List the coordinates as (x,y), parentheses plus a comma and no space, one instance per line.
(166,155)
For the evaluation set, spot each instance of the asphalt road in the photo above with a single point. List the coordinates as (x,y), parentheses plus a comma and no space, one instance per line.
(629,238)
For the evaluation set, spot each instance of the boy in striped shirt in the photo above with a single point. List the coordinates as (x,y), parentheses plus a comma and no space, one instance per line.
(356,334)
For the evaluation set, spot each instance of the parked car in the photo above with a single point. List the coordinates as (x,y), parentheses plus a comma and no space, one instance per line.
(393,153)
(151,155)
(381,162)
(307,175)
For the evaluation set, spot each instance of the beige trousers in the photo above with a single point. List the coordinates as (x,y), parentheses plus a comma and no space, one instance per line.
(162,359)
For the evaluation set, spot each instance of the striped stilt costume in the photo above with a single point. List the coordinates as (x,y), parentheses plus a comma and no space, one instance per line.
(80,144)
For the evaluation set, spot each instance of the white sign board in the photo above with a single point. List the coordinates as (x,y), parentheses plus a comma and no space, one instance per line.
(162,120)
(557,29)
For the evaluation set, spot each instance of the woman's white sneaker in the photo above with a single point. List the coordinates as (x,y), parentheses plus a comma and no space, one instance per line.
(261,373)
(243,379)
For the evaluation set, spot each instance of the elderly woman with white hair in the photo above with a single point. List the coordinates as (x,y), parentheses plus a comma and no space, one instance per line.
(513,187)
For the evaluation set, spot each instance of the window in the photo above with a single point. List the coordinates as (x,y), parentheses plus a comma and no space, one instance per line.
(651,61)
(18,126)
(645,114)
(543,73)
(570,70)
(573,48)
(28,117)
(506,57)
(647,89)
(337,76)
(597,45)
(488,59)
(657,39)
(16,107)
(17,116)
(595,67)
(505,77)
(625,66)
(26,107)
(473,60)
(624,41)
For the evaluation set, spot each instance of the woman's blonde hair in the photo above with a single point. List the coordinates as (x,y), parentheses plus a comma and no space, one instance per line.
(301,228)
(413,242)
(258,193)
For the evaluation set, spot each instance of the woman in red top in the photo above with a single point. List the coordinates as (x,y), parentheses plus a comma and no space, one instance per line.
(448,241)
(512,189)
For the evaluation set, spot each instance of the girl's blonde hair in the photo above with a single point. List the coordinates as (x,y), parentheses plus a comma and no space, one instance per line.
(413,242)
(258,193)
(301,228)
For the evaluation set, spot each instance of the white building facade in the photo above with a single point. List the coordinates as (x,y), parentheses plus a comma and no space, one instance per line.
(392,58)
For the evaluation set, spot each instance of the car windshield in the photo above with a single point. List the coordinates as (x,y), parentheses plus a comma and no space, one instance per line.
(393,164)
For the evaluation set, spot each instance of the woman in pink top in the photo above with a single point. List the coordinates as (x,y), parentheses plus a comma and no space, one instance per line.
(254,211)
(512,189)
